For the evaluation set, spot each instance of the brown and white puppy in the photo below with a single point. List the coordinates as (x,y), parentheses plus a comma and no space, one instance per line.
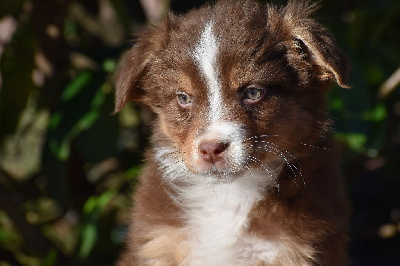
(241,170)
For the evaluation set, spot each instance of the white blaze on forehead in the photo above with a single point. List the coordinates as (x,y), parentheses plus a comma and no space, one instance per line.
(205,56)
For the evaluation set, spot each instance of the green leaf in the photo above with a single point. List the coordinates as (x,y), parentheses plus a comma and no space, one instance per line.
(61,150)
(89,236)
(86,121)
(76,85)
(109,65)
(92,211)
(356,141)
(99,98)
(55,120)
(133,172)
(377,114)
(50,258)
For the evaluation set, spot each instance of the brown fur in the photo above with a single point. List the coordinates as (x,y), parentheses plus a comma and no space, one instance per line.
(279,48)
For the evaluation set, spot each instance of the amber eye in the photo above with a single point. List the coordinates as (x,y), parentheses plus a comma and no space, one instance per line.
(184,100)
(253,95)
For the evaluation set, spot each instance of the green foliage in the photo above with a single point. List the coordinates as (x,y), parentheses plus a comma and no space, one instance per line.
(57,68)
(91,215)
(67,165)
(80,107)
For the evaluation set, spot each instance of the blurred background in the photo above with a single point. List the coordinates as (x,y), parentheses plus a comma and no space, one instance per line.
(68,166)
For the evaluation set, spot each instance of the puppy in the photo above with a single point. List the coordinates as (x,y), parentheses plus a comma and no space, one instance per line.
(241,169)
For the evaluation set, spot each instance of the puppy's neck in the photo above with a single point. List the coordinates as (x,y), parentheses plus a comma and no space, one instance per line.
(217,215)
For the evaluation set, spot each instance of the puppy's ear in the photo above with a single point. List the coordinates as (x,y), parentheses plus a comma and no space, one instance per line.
(136,61)
(315,44)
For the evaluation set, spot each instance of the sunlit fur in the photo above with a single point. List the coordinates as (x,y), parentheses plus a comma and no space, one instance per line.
(231,180)
(205,55)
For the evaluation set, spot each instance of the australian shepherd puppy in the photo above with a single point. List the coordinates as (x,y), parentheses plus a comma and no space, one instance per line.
(242,169)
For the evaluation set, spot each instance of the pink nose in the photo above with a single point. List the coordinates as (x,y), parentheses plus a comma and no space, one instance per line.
(212,151)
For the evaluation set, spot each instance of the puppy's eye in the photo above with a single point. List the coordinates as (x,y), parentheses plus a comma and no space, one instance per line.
(184,100)
(253,95)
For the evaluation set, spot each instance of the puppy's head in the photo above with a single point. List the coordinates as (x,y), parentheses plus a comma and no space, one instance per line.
(235,86)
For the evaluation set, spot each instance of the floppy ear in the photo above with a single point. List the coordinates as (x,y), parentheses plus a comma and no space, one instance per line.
(315,44)
(135,62)
(128,75)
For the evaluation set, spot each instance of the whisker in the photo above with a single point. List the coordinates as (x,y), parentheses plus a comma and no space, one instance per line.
(265,167)
(295,171)
(296,165)
(264,136)
(258,161)
(248,168)
(295,168)
(279,150)
(315,147)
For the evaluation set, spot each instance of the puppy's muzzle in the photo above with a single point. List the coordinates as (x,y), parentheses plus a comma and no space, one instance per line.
(219,149)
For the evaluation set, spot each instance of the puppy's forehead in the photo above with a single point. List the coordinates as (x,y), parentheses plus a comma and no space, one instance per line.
(205,57)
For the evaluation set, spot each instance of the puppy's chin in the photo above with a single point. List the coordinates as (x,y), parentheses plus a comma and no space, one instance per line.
(219,172)
(271,168)
(222,176)
(227,171)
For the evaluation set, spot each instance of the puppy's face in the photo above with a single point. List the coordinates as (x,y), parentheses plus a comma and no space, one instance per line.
(236,87)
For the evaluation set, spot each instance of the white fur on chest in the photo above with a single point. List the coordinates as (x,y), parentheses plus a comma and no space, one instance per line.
(217,214)
(217,217)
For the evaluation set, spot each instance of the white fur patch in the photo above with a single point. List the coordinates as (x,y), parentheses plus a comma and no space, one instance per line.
(205,56)
(216,214)
(171,164)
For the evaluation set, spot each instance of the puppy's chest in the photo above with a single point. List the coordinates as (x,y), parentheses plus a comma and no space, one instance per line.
(217,221)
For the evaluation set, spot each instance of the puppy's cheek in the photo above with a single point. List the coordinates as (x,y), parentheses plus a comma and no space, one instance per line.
(165,128)
(187,155)
(171,129)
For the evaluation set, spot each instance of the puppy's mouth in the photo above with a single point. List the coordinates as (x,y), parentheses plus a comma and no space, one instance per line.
(222,160)
(222,173)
